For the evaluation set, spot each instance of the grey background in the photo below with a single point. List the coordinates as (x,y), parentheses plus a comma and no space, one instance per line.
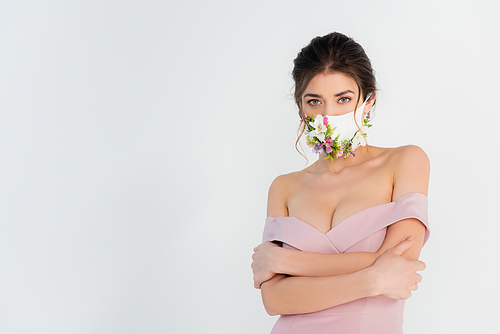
(138,140)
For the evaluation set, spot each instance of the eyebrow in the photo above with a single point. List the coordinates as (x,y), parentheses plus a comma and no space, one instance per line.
(336,95)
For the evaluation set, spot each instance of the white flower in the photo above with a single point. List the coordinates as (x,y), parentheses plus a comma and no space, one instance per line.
(319,129)
(359,140)
(366,129)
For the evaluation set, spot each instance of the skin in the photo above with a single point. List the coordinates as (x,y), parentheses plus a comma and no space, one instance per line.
(327,192)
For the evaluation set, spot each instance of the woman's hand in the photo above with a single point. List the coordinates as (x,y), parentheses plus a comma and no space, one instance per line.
(395,276)
(262,263)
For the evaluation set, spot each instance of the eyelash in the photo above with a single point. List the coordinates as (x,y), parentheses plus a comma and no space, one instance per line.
(313,105)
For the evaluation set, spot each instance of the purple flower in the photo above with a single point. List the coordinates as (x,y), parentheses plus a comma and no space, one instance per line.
(317,148)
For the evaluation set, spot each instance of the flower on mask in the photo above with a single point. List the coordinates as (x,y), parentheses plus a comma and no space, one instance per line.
(360,137)
(323,139)
(317,149)
(358,140)
(318,128)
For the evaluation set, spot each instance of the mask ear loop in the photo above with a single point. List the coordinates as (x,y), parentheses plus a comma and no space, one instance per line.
(355,121)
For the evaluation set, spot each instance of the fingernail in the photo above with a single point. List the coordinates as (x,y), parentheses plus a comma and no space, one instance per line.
(410,238)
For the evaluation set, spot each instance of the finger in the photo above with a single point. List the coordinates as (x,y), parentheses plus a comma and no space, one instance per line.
(419,278)
(256,283)
(402,246)
(256,248)
(420,265)
(415,287)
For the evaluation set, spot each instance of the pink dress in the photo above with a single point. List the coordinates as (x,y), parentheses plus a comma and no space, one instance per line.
(362,232)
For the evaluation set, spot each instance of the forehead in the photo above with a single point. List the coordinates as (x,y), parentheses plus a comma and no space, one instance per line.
(330,83)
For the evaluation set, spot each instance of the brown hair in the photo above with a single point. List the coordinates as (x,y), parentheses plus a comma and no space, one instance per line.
(334,52)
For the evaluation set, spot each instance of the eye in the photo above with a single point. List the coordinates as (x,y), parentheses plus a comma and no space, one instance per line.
(344,99)
(313,102)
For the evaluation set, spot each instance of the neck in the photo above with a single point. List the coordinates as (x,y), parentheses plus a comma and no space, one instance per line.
(323,165)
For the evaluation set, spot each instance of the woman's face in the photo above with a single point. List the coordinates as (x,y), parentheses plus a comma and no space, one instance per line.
(331,94)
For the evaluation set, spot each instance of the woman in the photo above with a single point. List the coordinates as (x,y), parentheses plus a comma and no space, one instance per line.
(352,224)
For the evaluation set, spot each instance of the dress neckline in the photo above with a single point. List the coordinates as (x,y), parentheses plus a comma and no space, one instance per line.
(353,215)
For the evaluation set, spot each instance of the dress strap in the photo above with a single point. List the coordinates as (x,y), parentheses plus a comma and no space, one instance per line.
(367,222)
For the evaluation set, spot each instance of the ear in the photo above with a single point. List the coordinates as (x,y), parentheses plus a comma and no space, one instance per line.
(369,103)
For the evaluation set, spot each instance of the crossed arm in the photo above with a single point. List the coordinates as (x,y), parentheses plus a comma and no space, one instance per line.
(320,281)
(294,282)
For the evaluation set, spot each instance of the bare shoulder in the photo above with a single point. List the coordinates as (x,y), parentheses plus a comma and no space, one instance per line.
(411,168)
(409,155)
(278,194)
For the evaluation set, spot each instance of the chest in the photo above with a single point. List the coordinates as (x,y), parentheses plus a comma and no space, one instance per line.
(325,200)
